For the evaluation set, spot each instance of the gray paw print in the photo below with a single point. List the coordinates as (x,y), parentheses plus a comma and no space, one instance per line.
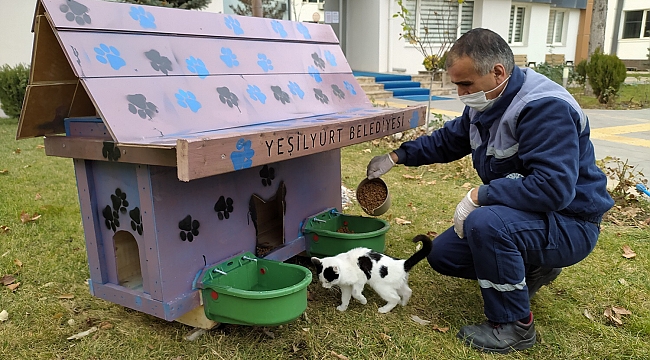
(138,104)
(228,97)
(338,92)
(318,93)
(318,61)
(76,12)
(159,62)
(280,95)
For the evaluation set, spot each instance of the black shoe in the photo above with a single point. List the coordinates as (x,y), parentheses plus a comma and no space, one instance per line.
(538,277)
(499,338)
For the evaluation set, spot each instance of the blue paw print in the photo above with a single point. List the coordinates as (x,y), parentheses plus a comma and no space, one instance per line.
(264,62)
(228,57)
(330,58)
(233,24)
(278,28)
(109,55)
(187,99)
(415,118)
(197,66)
(303,30)
(350,87)
(145,18)
(313,72)
(243,157)
(296,90)
(256,94)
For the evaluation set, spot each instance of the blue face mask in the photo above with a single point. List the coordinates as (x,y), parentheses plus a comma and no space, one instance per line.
(478,101)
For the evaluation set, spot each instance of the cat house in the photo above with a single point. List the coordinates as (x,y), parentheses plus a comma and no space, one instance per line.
(195,137)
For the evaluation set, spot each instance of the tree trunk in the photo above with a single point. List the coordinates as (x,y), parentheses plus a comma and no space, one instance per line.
(257,8)
(596,34)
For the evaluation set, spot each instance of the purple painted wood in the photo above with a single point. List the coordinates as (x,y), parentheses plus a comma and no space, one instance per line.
(110,16)
(142,112)
(149,250)
(118,54)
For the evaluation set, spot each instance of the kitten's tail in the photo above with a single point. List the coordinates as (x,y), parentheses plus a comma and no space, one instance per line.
(421,254)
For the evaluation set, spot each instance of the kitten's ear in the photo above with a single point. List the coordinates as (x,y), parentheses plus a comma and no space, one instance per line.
(335,268)
(315,261)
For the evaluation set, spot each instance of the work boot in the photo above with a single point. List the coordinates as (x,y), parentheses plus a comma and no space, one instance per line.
(538,277)
(499,338)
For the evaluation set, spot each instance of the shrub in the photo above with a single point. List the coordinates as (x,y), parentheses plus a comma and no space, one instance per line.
(606,75)
(580,73)
(13,83)
(553,72)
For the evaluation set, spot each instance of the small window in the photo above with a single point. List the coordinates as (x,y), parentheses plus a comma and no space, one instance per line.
(516,30)
(555,30)
(632,24)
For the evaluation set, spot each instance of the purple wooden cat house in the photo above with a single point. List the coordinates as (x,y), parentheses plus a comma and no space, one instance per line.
(195,137)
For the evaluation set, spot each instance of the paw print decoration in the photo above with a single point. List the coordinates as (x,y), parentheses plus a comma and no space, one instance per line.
(139,105)
(223,207)
(189,228)
(111,213)
(136,220)
(76,12)
(267,174)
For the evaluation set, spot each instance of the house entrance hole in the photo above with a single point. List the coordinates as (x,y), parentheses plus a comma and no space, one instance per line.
(268,218)
(127,260)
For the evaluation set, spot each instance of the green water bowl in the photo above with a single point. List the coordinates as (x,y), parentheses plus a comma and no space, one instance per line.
(247,290)
(331,233)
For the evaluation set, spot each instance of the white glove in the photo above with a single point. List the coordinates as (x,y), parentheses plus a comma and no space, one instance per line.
(463,209)
(379,165)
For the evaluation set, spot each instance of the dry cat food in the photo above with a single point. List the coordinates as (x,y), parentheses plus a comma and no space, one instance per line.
(372,194)
(344,229)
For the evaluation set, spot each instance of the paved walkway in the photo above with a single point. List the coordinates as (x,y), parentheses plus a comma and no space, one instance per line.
(621,133)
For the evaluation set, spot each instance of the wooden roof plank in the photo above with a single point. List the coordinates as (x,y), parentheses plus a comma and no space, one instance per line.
(108,16)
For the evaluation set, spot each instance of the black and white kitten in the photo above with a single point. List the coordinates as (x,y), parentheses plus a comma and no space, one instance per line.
(351,270)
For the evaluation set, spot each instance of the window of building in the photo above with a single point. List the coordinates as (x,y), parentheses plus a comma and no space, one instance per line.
(516,29)
(555,27)
(440,21)
(636,24)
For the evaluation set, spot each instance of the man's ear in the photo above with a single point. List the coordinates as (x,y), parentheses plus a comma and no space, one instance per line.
(500,72)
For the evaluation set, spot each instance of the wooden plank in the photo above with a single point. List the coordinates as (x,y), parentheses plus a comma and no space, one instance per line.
(96,149)
(111,16)
(82,105)
(97,54)
(163,109)
(44,109)
(49,63)
(223,152)
(151,267)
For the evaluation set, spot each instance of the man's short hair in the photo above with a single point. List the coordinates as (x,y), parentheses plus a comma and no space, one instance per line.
(485,47)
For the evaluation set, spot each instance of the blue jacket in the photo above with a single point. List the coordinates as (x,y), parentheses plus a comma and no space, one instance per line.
(531,149)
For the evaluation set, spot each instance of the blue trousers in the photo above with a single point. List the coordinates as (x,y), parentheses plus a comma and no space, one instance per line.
(500,243)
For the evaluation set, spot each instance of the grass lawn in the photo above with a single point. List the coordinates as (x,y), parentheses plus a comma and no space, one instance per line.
(630,96)
(47,257)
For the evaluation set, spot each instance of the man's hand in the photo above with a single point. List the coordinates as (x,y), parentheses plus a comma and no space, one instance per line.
(463,209)
(379,165)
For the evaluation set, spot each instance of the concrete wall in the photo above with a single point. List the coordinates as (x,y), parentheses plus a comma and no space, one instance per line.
(627,49)
(366,34)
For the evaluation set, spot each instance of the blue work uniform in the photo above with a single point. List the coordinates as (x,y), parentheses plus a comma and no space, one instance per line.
(542,197)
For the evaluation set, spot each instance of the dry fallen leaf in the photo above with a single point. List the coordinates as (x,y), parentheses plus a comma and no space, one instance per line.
(615,319)
(13,287)
(432,234)
(269,333)
(366,150)
(621,310)
(4,315)
(587,315)
(66,296)
(18,263)
(105,326)
(25,217)
(401,221)
(466,186)
(418,320)
(4,229)
(83,333)
(385,337)
(4,171)
(40,146)
(38,196)
(7,280)
(441,329)
(628,253)
(17,151)
(339,356)
(623,282)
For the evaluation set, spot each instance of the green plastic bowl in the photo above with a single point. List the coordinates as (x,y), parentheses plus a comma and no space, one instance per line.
(262,292)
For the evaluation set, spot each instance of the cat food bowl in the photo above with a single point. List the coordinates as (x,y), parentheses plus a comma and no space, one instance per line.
(246,290)
(331,233)
(373,196)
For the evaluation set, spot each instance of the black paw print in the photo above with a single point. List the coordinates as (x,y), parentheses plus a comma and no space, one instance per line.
(112,222)
(136,220)
(228,97)
(223,207)
(119,201)
(159,62)
(280,95)
(110,151)
(75,11)
(318,61)
(189,228)
(318,93)
(112,215)
(267,174)
(138,104)
(338,92)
